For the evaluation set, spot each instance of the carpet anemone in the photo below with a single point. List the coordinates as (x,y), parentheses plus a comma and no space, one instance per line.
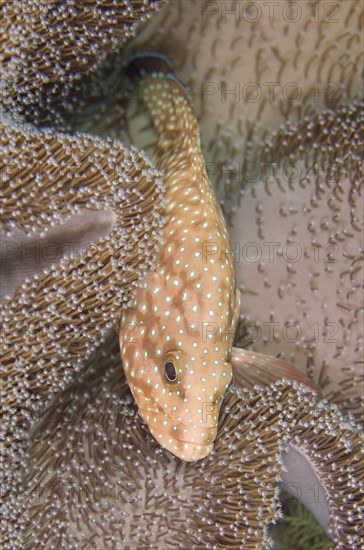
(47,48)
(300,261)
(66,304)
(96,476)
(81,225)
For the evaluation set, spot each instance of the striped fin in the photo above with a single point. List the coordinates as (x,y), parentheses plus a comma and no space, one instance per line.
(154,64)
(144,63)
(166,98)
(250,368)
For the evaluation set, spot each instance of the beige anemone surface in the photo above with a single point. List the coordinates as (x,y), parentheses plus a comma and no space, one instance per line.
(298,241)
(48,47)
(71,185)
(250,66)
(97,478)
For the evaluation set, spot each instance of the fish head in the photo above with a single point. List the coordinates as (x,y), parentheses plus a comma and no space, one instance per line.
(178,386)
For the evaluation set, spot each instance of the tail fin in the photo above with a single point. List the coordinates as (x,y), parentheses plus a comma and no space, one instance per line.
(165,96)
(144,63)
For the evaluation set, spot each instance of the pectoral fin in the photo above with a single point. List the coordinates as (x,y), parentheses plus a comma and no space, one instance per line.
(250,368)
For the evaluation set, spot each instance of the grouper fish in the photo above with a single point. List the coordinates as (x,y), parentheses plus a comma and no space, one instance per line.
(176,341)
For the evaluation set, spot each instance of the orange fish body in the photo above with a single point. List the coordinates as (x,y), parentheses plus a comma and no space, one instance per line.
(177,338)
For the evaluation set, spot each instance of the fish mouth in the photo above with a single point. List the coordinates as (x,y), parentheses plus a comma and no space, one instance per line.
(188,449)
(187,441)
(166,416)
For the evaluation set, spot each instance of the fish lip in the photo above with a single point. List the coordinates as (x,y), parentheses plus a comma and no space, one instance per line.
(196,444)
(215,426)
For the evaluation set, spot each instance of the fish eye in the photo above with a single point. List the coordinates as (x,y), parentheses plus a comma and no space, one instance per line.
(170,370)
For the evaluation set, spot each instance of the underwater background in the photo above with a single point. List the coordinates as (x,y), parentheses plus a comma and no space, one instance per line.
(276,90)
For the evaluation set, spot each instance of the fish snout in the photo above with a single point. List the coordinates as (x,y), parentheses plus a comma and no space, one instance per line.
(189,441)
